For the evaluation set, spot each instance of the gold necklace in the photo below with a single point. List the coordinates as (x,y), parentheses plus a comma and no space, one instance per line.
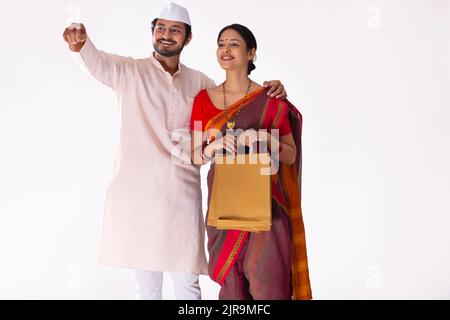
(231,124)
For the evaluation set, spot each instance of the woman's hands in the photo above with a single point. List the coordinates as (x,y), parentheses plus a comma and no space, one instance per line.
(250,136)
(227,142)
(231,143)
(283,148)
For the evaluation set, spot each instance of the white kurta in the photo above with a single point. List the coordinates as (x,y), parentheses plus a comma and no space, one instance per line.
(153,218)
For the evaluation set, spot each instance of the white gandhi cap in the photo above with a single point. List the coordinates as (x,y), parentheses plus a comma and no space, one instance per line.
(175,12)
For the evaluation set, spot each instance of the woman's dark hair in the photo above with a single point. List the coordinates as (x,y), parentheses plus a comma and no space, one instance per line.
(249,38)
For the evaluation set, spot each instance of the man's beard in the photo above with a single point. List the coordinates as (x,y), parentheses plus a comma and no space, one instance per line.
(167,52)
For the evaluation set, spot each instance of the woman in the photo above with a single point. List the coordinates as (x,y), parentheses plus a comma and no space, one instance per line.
(263,265)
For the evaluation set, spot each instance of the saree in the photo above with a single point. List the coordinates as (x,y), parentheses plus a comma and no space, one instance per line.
(259,111)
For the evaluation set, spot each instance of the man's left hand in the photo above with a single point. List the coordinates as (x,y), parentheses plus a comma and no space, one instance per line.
(276,89)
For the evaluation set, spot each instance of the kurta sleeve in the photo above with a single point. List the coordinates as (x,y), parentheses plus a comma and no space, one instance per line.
(207,82)
(210,83)
(109,69)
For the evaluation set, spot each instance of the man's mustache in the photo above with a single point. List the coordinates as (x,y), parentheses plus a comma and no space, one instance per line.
(169,41)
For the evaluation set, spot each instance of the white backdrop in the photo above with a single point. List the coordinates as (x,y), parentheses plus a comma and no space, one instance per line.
(370,77)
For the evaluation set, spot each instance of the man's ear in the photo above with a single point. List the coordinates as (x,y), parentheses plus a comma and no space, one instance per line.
(186,42)
(152,31)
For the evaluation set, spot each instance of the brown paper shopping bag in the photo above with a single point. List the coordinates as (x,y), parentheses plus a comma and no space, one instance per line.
(241,195)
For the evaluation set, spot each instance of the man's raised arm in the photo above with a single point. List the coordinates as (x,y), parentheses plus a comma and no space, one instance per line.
(109,69)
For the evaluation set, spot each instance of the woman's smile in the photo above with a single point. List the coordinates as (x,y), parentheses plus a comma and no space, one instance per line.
(227,57)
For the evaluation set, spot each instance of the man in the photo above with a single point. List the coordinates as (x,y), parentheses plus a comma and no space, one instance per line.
(153,221)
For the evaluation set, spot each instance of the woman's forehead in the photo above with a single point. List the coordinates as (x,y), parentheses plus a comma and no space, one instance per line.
(229,35)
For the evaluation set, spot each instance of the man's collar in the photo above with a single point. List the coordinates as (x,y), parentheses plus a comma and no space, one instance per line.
(158,64)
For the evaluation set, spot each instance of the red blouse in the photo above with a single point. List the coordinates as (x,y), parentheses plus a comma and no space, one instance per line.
(203,110)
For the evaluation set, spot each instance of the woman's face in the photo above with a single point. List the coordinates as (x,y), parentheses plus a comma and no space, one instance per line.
(232,52)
